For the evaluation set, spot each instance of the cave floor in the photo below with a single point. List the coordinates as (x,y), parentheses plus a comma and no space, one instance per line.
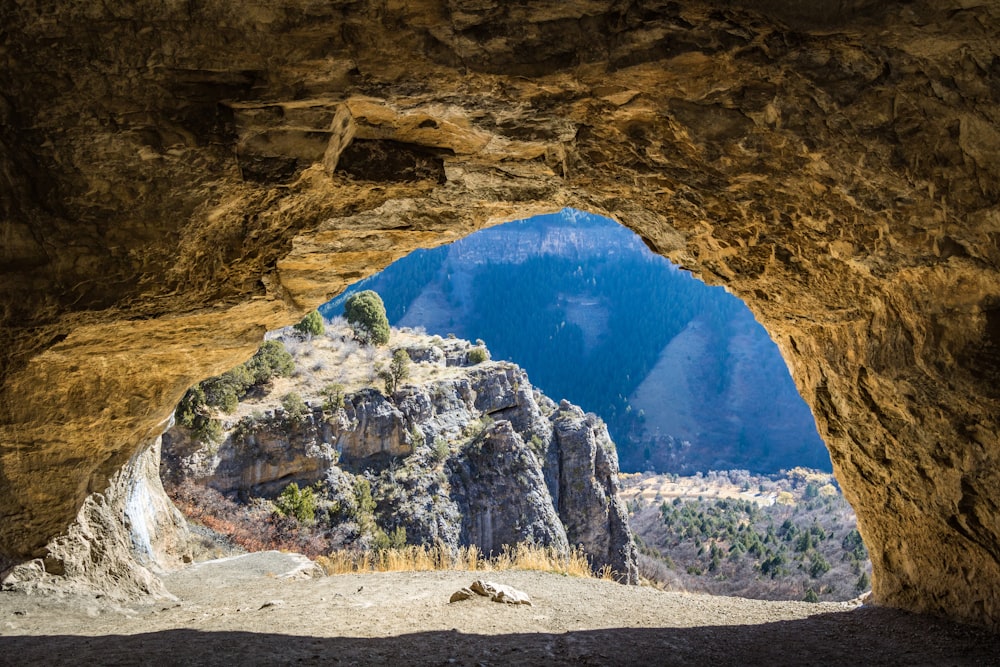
(243,611)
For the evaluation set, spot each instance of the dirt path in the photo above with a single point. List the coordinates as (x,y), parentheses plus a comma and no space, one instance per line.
(240,612)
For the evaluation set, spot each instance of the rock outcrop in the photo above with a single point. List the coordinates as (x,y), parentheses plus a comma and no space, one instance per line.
(498,485)
(175,179)
(97,557)
(588,490)
(479,458)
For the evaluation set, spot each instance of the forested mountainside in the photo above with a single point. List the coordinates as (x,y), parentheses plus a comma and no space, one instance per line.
(681,372)
(788,536)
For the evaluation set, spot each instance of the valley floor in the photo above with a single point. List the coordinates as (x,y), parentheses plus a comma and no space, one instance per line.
(240,611)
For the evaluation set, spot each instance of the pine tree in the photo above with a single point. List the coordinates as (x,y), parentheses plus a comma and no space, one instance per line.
(365,313)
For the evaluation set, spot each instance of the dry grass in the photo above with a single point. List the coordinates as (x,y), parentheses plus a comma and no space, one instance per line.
(336,358)
(423,558)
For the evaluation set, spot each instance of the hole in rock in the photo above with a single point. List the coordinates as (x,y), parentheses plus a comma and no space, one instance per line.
(330,439)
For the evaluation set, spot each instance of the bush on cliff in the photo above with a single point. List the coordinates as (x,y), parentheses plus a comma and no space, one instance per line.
(311,324)
(365,313)
(271,360)
(225,391)
(399,370)
(295,408)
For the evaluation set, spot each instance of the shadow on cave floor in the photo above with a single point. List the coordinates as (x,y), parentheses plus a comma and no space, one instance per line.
(867,636)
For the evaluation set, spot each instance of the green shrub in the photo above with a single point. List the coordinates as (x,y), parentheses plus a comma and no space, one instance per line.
(271,360)
(295,408)
(311,324)
(192,413)
(208,430)
(188,409)
(476,428)
(441,449)
(300,504)
(364,513)
(811,596)
(246,427)
(381,541)
(818,566)
(363,495)
(333,397)
(477,355)
(397,538)
(225,391)
(365,313)
(399,370)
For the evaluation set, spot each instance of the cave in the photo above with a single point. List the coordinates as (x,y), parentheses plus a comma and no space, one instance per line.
(179,178)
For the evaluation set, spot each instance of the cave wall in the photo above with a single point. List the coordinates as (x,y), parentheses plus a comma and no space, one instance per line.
(176,178)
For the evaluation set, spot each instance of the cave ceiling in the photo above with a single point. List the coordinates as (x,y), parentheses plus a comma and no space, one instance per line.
(178,177)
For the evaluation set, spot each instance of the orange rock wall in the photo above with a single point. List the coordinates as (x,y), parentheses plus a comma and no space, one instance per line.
(177,178)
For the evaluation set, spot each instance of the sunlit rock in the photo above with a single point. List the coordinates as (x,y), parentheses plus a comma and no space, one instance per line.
(174,181)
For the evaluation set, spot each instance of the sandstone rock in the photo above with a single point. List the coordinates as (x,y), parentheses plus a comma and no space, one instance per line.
(856,213)
(121,564)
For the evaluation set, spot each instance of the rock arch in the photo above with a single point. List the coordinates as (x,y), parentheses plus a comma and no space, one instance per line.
(176,178)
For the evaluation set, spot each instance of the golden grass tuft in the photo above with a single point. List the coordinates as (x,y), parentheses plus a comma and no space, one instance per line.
(470,559)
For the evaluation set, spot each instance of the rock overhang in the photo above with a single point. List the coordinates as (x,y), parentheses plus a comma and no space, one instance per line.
(179,185)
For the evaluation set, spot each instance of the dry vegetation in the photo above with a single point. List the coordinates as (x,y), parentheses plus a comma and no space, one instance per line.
(425,558)
(253,527)
(336,358)
(256,527)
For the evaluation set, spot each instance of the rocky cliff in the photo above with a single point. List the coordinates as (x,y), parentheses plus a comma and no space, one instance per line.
(178,178)
(468,453)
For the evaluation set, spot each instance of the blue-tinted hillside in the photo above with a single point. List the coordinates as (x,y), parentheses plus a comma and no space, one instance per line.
(681,372)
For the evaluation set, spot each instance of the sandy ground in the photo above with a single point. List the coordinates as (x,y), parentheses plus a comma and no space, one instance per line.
(240,611)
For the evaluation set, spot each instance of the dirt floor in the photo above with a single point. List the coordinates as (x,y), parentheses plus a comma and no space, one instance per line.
(243,611)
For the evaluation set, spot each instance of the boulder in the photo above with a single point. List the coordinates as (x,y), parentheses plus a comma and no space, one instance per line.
(500,592)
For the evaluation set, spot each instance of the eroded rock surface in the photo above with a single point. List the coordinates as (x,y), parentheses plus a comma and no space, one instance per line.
(478,458)
(176,179)
(588,490)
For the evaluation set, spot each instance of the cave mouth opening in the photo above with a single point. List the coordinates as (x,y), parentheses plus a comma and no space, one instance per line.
(675,368)
(681,372)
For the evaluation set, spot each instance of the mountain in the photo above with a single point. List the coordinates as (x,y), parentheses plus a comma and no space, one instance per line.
(677,369)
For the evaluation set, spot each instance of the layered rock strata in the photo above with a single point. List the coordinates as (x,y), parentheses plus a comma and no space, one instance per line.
(177,178)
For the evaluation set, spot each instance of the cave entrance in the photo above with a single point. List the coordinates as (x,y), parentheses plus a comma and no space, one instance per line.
(678,371)
(681,372)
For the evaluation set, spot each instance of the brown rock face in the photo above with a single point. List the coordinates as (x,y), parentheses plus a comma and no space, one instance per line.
(175,178)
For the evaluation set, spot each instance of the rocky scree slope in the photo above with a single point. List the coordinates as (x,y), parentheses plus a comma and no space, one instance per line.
(470,455)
